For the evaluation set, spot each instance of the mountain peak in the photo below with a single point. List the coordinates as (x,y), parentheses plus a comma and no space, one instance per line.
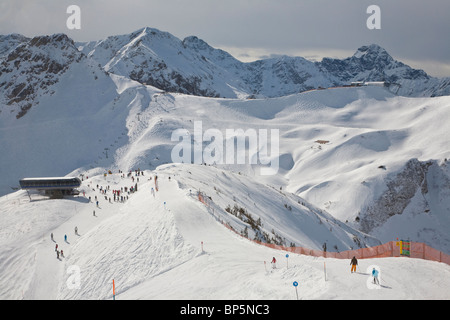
(58,38)
(32,66)
(195,42)
(372,52)
(150,33)
(372,47)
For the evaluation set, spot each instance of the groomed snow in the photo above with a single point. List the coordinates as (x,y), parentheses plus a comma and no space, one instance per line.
(151,245)
(153,250)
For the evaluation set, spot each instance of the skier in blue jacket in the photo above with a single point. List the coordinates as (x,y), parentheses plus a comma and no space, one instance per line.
(375,276)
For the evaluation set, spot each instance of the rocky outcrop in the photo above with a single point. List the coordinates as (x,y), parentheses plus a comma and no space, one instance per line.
(400,190)
(32,67)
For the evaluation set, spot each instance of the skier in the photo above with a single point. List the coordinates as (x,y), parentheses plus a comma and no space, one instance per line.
(324,247)
(65,237)
(51,236)
(274,261)
(62,254)
(353,263)
(57,254)
(76,230)
(56,247)
(375,276)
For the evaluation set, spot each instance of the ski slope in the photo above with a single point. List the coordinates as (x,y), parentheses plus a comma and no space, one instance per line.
(151,245)
(370,135)
(167,245)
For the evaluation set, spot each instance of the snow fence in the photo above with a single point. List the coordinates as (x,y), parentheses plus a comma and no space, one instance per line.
(390,249)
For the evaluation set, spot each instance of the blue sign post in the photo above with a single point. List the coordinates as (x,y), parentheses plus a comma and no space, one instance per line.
(296,285)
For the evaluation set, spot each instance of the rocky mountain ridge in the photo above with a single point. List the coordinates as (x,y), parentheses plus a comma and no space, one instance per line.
(192,66)
(29,68)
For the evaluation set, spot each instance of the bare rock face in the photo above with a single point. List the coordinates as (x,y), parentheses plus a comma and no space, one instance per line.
(32,67)
(400,190)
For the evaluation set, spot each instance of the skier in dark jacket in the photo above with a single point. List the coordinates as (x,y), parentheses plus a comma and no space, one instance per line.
(353,263)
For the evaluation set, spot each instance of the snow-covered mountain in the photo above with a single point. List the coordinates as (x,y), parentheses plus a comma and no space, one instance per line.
(192,66)
(29,67)
(51,90)
(373,63)
(357,165)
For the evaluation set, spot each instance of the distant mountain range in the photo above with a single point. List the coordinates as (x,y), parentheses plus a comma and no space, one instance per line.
(29,67)
(192,66)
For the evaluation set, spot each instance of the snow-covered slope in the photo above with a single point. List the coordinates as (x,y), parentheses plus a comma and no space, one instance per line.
(356,167)
(167,245)
(333,143)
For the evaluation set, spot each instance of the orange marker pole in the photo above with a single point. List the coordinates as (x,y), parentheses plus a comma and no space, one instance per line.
(114,291)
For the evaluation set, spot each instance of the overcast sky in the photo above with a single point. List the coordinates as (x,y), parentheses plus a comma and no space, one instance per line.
(416,32)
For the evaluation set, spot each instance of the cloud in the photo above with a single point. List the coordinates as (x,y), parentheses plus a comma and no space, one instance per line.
(247,54)
(433,68)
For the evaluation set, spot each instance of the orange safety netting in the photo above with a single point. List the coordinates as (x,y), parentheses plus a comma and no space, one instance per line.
(201,198)
(389,249)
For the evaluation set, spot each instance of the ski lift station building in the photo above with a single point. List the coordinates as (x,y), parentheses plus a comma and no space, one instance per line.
(52,186)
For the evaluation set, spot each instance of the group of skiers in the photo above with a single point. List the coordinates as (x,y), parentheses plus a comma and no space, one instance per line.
(375,272)
(353,263)
(117,194)
(60,253)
